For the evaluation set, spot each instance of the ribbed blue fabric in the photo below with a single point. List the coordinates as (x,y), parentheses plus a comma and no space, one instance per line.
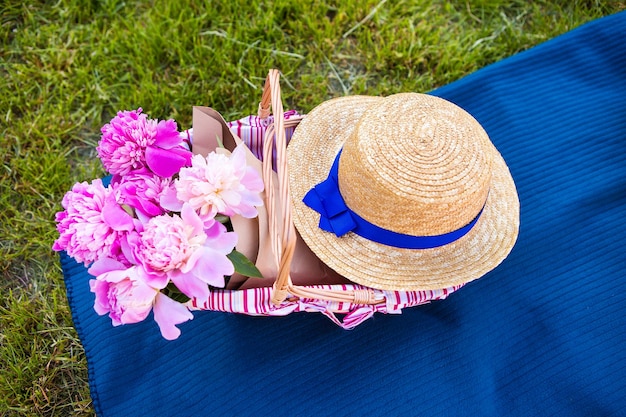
(542,335)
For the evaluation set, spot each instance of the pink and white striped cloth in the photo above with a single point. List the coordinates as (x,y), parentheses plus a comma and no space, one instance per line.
(257,301)
(251,130)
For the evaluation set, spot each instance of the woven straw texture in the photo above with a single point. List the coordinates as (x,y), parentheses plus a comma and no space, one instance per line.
(541,335)
(413,164)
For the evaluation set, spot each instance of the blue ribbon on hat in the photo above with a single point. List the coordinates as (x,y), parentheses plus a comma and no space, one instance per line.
(336,217)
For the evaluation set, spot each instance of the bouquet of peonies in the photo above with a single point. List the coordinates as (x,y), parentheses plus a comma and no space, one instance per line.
(158,233)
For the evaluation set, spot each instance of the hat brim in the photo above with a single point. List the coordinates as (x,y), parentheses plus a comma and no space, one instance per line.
(310,154)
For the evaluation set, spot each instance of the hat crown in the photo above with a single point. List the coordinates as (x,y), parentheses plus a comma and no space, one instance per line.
(416,164)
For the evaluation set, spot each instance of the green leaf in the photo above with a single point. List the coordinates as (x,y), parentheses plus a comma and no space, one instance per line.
(243,265)
(128,209)
(175,294)
(222,219)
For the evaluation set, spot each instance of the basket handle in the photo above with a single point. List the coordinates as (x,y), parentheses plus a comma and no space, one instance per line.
(282,231)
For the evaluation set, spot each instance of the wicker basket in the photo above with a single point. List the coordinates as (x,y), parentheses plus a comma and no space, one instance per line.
(357,302)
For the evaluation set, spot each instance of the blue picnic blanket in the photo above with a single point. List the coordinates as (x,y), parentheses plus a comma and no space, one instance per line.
(544,334)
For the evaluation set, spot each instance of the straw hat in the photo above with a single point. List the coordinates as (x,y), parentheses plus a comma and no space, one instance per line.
(405,192)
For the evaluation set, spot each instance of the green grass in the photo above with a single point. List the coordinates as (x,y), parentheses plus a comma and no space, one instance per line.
(67,66)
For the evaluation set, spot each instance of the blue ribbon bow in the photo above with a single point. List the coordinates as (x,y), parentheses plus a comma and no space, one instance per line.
(326,199)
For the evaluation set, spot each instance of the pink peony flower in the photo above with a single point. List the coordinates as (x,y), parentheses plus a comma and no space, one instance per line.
(93,225)
(142,190)
(123,294)
(132,142)
(179,249)
(220,184)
